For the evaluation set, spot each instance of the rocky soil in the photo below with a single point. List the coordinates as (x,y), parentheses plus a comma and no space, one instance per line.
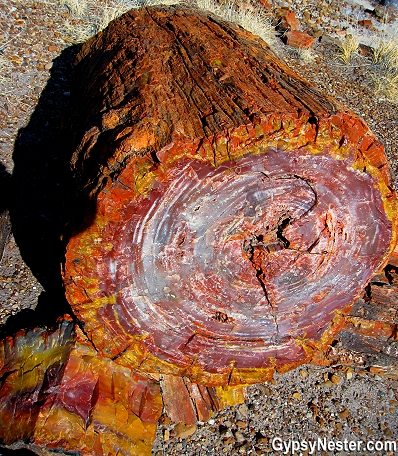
(38,41)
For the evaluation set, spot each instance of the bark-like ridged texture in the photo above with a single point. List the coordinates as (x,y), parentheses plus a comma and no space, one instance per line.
(165,76)
(239,213)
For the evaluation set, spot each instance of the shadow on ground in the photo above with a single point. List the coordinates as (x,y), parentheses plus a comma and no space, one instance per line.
(43,206)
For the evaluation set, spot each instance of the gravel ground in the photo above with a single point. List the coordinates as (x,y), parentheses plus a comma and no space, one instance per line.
(38,40)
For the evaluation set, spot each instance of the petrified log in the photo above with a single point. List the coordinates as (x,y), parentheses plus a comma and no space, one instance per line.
(239,213)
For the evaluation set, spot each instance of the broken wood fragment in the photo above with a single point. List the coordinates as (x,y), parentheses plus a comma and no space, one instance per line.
(58,395)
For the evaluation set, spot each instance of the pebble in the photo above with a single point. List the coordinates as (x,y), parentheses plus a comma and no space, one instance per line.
(239,436)
(48,66)
(343,414)
(243,410)
(183,431)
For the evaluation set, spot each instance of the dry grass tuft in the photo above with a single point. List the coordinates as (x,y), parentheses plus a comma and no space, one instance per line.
(76,7)
(385,53)
(254,20)
(110,11)
(385,68)
(303,54)
(79,33)
(348,48)
(386,84)
(97,16)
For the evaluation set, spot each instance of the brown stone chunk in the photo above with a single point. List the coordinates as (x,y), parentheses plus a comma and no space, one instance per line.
(299,40)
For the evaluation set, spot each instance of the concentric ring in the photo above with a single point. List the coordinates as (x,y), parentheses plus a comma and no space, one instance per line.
(233,265)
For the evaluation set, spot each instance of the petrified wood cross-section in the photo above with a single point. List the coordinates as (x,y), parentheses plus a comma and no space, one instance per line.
(233,216)
(238,212)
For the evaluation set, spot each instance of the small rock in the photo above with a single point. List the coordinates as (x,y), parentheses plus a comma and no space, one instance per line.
(343,414)
(166,435)
(365,23)
(48,66)
(240,424)
(242,409)
(244,448)
(228,440)
(387,432)
(265,4)
(225,432)
(328,384)
(52,48)
(385,13)
(16,60)
(299,40)
(264,389)
(349,375)
(297,396)
(239,436)
(303,373)
(335,379)
(328,40)
(164,419)
(289,19)
(183,431)
(260,438)
(317,33)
